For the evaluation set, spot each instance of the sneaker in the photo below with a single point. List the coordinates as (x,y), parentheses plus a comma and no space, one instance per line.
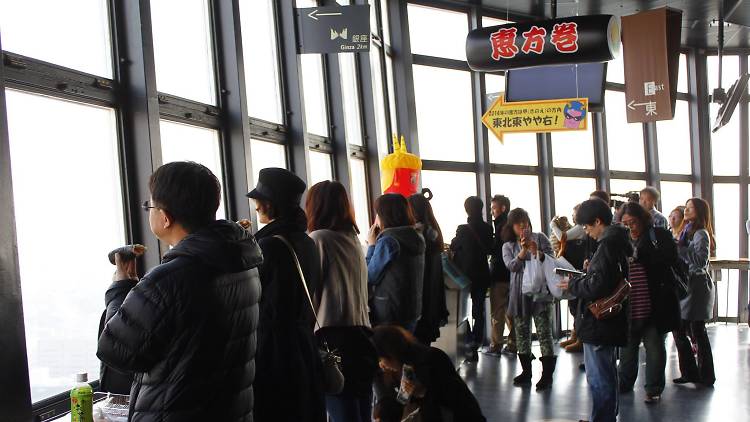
(494,349)
(652,398)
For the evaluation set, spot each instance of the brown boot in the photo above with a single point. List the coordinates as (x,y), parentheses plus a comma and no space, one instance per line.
(569,341)
(576,347)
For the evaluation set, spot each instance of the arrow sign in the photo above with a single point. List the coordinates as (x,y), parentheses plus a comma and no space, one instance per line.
(314,14)
(650,107)
(536,116)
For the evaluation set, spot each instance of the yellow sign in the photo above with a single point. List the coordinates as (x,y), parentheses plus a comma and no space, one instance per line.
(536,116)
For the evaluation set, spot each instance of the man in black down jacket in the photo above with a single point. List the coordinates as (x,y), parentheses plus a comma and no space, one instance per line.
(187,328)
(471,246)
(601,337)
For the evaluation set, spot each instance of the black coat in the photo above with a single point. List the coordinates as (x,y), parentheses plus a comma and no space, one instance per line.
(600,281)
(287,380)
(498,271)
(657,254)
(187,330)
(434,307)
(447,398)
(472,244)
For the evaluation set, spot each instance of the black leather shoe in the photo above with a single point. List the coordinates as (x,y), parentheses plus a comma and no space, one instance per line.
(682,380)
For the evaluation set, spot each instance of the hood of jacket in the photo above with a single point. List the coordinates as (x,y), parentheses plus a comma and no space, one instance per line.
(409,239)
(223,245)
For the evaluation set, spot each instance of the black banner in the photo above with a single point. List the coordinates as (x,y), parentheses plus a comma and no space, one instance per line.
(576,39)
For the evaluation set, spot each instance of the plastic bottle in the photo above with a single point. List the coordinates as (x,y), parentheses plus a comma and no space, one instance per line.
(82,400)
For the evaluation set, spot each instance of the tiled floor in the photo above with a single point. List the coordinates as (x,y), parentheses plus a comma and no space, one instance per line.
(491,381)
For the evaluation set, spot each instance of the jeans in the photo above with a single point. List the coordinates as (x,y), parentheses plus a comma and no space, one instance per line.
(601,375)
(477,313)
(349,408)
(656,357)
(703,370)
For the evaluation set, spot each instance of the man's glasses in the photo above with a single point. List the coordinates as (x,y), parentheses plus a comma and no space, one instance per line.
(147,206)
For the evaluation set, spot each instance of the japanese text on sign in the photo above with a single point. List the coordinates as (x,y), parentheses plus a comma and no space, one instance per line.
(564,37)
(536,116)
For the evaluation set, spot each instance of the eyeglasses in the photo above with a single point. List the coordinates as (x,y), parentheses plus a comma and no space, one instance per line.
(145,205)
(629,223)
(576,118)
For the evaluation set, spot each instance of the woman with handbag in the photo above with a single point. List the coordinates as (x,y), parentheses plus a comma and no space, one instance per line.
(602,283)
(521,245)
(287,363)
(696,245)
(395,264)
(341,302)
(418,382)
(654,308)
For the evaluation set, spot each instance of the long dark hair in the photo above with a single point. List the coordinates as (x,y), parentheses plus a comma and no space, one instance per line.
(637,211)
(393,211)
(518,215)
(328,207)
(702,221)
(423,213)
(394,342)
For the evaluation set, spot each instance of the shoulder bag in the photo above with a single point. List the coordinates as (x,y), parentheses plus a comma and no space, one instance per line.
(333,378)
(611,306)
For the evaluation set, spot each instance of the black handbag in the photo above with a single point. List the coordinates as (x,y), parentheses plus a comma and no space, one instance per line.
(333,377)
(677,274)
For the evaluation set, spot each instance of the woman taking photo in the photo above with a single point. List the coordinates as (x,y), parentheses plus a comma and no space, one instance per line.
(654,309)
(286,360)
(431,389)
(434,308)
(696,245)
(395,264)
(341,304)
(521,245)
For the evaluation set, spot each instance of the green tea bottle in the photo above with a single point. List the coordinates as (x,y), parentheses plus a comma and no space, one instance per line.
(81,400)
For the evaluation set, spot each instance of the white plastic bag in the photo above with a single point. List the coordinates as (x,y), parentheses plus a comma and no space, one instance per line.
(553,279)
(533,277)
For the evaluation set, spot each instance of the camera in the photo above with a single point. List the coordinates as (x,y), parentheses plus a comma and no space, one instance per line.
(617,199)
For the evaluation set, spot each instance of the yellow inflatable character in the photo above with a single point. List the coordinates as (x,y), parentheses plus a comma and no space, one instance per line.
(400,170)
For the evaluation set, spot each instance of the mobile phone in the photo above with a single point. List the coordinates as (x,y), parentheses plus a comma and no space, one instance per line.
(526,233)
(407,374)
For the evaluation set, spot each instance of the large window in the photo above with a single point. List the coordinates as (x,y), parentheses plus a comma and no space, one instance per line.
(519,148)
(358,195)
(350,92)
(266,154)
(727,220)
(378,98)
(314,90)
(571,191)
(75,36)
(674,194)
(523,192)
(261,60)
(68,216)
(625,140)
(183,49)
(574,149)
(181,142)
(321,167)
(623,186)
(449,41)
(450,190)
(673,137)
(444,114)
(725,143)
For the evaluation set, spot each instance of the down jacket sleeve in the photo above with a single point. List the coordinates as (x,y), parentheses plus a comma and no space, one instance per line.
(135,337)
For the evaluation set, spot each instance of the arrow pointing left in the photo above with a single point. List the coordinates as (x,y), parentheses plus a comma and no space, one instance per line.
(314,14)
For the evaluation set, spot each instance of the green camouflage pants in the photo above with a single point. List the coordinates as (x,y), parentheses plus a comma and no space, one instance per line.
(543,325)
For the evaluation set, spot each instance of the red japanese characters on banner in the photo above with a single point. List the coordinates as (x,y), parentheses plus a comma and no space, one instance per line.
(565,37)
(534,40)
(568,40)
(504,43)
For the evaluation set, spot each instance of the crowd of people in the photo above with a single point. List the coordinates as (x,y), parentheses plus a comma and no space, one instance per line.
(235,326)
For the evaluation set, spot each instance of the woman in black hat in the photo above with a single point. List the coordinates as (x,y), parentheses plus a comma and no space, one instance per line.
(286,359)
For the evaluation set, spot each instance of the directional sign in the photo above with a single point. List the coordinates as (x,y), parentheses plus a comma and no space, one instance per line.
(536,116)
(334,29)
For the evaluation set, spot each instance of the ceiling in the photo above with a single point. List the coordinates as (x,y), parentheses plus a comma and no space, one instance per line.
(697,30)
